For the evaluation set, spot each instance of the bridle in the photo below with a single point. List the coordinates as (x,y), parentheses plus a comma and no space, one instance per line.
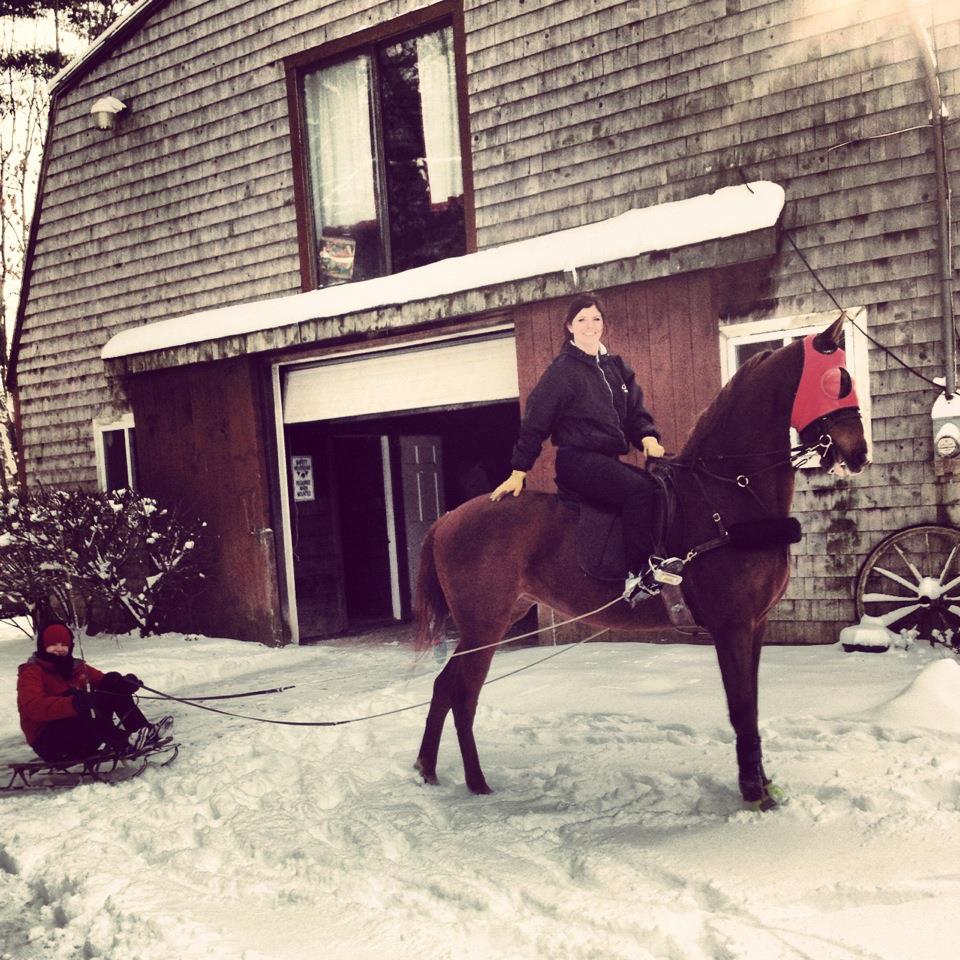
(825,396)
(815,439)
(816,442)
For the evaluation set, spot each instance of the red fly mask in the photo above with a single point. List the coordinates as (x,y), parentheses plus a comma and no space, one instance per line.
(826,392)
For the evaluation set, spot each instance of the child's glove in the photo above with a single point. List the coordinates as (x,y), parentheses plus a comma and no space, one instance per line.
(83,701)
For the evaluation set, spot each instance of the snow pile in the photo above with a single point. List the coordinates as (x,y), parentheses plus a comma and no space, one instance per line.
(616,830)
(932,700)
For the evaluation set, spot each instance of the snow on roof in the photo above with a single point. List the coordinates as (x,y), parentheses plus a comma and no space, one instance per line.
(730,211)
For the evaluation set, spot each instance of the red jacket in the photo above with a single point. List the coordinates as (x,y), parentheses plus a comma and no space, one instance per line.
(42,694)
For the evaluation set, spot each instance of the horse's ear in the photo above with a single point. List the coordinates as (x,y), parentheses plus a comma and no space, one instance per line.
(826,340)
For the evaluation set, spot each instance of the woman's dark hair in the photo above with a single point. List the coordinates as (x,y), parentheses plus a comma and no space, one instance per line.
(580,302)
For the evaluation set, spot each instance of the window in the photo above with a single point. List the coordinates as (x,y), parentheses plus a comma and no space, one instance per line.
(740,341)
(116,454)
(383,179)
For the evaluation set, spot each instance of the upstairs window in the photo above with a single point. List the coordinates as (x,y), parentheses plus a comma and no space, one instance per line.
(383,178)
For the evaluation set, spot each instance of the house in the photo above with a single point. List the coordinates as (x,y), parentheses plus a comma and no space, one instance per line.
(306,264)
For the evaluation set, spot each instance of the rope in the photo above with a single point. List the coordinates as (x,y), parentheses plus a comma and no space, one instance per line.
(534,633)
(227,696)
(285,723)
(199,701)
(371,716)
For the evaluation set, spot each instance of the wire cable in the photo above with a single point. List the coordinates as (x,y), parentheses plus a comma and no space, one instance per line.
(843,312)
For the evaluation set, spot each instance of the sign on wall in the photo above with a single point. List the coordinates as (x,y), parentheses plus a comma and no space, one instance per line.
(302,468)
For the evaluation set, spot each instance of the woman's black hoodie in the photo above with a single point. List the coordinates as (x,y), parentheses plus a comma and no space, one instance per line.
(592,403)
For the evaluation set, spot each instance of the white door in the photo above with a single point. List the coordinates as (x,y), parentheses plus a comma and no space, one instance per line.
(421,477)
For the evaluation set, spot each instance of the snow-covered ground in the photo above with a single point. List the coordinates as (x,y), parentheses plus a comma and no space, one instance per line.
(615,830)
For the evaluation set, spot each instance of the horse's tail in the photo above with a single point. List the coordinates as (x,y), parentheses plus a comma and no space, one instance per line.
(430,605)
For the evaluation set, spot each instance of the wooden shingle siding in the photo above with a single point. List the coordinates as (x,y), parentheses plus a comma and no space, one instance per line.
(578,111)
(188,206)
(745,105)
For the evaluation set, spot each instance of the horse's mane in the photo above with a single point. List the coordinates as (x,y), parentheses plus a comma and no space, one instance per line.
(712,422)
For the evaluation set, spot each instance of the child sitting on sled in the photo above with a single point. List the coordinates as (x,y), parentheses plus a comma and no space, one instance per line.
(68,709)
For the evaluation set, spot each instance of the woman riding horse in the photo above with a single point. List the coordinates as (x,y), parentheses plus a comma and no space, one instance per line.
(487,563)
(589,402)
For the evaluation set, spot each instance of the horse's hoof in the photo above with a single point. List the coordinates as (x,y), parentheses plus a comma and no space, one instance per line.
(770,799)
(479,789)
(777,794)
(429,776)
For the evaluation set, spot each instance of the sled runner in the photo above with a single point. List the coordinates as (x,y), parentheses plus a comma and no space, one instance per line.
(102,767)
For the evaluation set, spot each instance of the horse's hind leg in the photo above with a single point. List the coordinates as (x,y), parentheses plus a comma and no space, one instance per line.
(457,687)
(440,704)
(466,694)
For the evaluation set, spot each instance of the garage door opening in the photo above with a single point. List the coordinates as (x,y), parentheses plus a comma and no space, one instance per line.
(377,485)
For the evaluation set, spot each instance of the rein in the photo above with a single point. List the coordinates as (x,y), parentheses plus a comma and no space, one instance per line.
(796,456)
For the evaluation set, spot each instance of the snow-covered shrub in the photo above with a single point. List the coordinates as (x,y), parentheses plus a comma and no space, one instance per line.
(70,552)
(906,638)
(946,638)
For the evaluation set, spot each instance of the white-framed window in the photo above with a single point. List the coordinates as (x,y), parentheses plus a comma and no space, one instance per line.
(740,341)
(116,454)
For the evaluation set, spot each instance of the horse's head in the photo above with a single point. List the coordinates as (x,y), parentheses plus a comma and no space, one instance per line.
(826,408)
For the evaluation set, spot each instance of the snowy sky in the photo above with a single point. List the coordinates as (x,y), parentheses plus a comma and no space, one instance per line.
(616,830)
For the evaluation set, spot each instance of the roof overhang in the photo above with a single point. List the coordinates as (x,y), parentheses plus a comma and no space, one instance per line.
(102,46)
(734,225)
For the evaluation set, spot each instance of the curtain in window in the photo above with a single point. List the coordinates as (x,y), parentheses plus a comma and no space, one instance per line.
(337,107)
(438,92)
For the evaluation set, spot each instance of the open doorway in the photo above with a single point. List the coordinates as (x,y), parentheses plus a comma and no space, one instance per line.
(378,484)
(365,535)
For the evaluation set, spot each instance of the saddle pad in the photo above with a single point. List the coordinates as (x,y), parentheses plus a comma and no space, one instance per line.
(600,550)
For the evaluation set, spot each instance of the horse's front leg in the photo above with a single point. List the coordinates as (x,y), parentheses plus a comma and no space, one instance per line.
(738,651)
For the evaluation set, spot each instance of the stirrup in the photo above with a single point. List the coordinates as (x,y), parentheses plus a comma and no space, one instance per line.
(647,583)
(668,571)
(633,583)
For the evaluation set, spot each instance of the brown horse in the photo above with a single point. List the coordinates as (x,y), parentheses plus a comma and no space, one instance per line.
(487,563)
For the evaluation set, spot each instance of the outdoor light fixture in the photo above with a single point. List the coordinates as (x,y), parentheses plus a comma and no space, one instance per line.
(105,110)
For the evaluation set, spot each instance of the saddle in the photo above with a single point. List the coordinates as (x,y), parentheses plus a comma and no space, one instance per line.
(600,546)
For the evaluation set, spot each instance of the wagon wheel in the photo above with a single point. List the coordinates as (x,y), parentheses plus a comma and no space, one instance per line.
(911,580)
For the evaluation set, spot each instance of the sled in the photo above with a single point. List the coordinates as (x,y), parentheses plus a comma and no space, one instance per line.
(102,767)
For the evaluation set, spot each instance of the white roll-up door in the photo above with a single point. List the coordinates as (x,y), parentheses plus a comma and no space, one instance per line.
(444,373)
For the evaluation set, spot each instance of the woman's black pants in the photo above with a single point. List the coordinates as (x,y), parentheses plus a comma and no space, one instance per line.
(608,482)
(78,737)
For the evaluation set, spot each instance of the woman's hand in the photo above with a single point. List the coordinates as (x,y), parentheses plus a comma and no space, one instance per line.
(513,484)
(652,448)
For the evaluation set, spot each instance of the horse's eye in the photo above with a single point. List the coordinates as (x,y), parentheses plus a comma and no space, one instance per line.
(837,383)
